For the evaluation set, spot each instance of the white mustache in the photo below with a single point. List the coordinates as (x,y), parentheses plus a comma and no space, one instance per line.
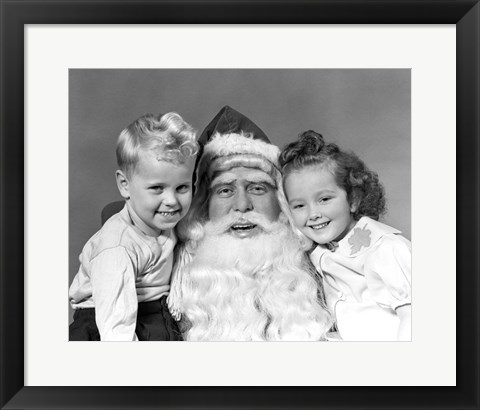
(226,222)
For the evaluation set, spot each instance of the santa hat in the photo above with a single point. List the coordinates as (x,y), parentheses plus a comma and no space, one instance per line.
(233,140)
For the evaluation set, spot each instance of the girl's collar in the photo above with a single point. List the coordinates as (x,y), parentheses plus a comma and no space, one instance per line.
(364,234)
(332,246)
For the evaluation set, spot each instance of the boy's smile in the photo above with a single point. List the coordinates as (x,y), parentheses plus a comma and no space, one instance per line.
(168,213)
(158,193)
(319,207)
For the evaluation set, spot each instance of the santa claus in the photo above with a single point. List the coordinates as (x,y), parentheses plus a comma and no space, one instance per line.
(241,273)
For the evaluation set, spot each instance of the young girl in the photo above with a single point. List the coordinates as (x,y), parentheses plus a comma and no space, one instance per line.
(335,200)
(120,290)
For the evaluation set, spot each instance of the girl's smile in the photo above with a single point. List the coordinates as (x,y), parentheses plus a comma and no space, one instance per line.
(319,226)
(320,208)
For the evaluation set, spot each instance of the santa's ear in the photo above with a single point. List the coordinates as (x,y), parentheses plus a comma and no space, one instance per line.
(122,184)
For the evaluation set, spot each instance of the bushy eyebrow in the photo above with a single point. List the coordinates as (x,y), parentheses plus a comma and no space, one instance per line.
(264,181)
(231,181)
(222,181)
(217,184)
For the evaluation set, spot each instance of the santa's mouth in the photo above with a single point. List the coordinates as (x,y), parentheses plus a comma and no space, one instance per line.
(242,228)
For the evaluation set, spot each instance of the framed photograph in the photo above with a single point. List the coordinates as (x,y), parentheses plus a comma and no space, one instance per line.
(367,111)
(396,82)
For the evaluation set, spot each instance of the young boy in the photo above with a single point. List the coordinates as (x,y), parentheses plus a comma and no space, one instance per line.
(120,290)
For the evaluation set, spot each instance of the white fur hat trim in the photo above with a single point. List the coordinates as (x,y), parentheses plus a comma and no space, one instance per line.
(229,144)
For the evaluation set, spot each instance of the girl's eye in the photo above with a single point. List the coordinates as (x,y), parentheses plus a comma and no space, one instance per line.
(325,199)
(297,206)
(156,189)
(183,189)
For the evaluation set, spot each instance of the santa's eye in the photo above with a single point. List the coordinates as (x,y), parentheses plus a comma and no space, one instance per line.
(224,191)
(257,189)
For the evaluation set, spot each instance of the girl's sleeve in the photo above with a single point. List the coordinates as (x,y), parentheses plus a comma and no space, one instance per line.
(388,271)
(114,295)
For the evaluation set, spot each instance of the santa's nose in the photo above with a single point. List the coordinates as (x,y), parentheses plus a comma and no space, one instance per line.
(242,202)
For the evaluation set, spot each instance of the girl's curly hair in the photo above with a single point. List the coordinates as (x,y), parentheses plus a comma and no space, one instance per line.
(361,185)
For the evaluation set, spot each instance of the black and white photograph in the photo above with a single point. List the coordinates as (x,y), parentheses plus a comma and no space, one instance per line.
(240,205)
(279,199)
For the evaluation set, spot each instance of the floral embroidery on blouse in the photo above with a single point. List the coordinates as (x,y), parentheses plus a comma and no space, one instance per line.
(361,237)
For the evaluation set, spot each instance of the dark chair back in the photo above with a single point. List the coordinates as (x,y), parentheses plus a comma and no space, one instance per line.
(111,209)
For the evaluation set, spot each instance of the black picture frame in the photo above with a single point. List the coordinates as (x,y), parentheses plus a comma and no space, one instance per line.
(15,14)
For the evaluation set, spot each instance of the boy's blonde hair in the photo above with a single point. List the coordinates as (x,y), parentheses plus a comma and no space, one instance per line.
(167,136)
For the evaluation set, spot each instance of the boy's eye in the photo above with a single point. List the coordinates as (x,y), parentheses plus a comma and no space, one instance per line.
(325,199)
(297,206)
(183,189)
(156,188)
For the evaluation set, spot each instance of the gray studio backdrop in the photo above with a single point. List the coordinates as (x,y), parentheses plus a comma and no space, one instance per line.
(365,110)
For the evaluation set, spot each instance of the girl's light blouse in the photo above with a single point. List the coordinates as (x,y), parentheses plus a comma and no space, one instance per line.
(366,275)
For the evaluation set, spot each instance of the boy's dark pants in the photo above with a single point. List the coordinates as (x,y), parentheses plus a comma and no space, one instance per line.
(154,322)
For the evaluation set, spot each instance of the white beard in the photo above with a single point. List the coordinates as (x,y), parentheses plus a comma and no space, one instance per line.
(256,288)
